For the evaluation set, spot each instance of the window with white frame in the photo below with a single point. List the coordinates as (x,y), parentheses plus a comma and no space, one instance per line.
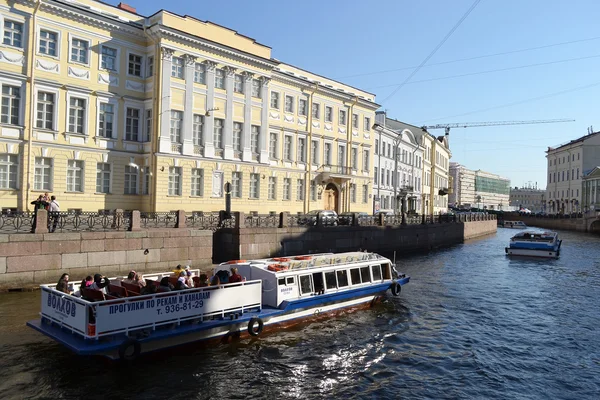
(272,189)
(287,148)
(77,108)
(108,58)
(146,180)
(48,43)
(197,136)
(220,78)
(218,133)
(354,158)
(238,83)
(353,192)
(11,104)
(197,183)
(327,154)
(132,124)
(355,120)
(79,50)
(254,186)
(342,119)
(237,136)
(74,176)
(328,114)
(200,73)
(236,184)
(134,66)
(287,188)
(131,180)
(150,67)
(9,168)
(13,33)
(300,189)
(45,110)
(176,121)
(275,100)
(376,146)
(289,104)
(302,107)
(366,160)
(256,88)
(174,181)
(376,176)
(254,139)
(365,197)
(314,152)
(367,124)
(313,190)
(148,135)
(177,67)
(106,117)
(342,155)
(301,150)
(103,171)
(273,145)
(42,179)
(316,110)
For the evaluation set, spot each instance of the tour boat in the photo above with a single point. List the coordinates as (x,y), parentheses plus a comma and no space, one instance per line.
(274,292)
(535,244)
(514,224)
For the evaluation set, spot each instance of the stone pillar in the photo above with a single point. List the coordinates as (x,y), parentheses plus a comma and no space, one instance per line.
(240,219)
(209,120)
(355,217)
(41,222)
(180,222)
(247,135)
(164,130)
(264,121)
(188,110)
(135,221)
(283,219)
(381,221)
(228,128)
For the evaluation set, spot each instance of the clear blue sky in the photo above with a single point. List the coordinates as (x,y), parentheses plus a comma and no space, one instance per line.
(346,39)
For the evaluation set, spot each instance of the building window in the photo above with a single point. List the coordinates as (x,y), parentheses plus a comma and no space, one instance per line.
(341,156)
(287,148)
(289,104)
(302,107)
(200,73)
(316,111)
(45,110)
(236,184)
(313,190)
(197,136)
(256,88)
(77,115)
(131,180)
(272,192)
(366,160)
(43,174)
(150,67)
(74,176)
(13,33)
(376,146)
(135,65)
(148,126)
(132,124)
(254,136)
(174,181)
(218,134)
(237,136)
(177,67)
(106,117)
(365,198)
(275,100)
(354,158)
(376,176)
(146,181)
(79,50)
(238,83)
(108,58)
(287,187)
(48,43)
(220,78)
(342,117)
(367,124)
(103,178)
(302,150)
(314,152)
(9,166)
(353,192)
(273,145)
(11,100)
(254,186)
(197,182)
(300,189)
(327,154)
(176,121)
(355,120)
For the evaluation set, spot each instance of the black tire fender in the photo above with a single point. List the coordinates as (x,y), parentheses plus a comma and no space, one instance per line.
(124,350)
(396,288)
(255,326)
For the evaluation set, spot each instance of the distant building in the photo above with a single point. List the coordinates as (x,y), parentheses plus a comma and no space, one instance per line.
(530,198)
(478,189)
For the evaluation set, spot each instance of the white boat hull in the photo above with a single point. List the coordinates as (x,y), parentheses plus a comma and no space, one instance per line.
(533,253)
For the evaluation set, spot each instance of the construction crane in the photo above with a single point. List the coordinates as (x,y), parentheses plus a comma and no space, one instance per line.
(447,127)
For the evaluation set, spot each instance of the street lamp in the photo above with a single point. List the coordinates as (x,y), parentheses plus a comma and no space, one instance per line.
(478,202)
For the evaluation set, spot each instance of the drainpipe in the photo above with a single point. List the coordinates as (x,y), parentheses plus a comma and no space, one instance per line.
(156,89)
(379,164)
(349,153)
(432,185)
(30,64)
(308,149)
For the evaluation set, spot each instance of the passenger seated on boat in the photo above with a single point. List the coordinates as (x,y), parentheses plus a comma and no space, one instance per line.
(235,277)
(150,289)
(223,276)
(100,283)
(63,284)
(203,280)
(181,281)
(135,279)
(165,285)
(189,277)
(178,270)
(215,281)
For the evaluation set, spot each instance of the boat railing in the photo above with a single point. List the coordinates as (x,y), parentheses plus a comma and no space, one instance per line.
(329,261)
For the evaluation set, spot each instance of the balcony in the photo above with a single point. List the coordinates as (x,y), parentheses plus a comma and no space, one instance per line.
(327,172)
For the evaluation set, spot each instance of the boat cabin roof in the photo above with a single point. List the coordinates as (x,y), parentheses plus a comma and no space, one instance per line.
(535,235)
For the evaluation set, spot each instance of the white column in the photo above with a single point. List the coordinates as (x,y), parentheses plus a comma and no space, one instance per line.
(209,121)
(228,128)
(165,101)
(264,121)
(188,111)
(247,136)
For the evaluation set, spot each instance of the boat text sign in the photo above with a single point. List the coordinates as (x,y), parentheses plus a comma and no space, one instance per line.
(173,305)
(63,308)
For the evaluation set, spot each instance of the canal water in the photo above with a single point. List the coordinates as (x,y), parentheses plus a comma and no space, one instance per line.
(472,324)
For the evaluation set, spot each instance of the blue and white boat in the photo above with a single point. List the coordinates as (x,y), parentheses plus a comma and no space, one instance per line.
(514,225)
(276,292)
(535,244)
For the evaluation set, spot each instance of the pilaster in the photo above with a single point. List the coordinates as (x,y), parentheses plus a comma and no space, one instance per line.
(188,111)
(264,120)
(247,137)
(228,128)
(165,101)
(209,120)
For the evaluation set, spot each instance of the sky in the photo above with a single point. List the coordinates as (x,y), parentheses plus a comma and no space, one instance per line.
(375,46)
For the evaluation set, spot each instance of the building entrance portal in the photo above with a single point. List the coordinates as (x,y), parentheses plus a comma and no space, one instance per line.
(331,197)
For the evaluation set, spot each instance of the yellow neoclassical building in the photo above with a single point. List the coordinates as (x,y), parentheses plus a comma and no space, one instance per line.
(106,109)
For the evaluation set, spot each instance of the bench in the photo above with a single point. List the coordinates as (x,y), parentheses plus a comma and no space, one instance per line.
(132,289)
(118,291)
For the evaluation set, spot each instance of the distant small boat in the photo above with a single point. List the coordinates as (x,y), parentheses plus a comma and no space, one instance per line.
(534,244)
(513,224)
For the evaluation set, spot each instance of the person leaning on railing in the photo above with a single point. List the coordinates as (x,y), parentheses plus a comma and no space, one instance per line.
(39,204)
(54,212)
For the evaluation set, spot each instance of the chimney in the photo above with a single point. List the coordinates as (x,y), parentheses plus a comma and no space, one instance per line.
(127,7)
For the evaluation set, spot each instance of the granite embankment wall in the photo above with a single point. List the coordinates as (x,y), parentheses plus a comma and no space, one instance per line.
(568,224)
(27,260)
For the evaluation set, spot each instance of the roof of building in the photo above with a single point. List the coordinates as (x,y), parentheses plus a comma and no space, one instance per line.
(580,139)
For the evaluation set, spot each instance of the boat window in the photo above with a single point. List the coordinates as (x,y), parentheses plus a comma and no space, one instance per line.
(386,271)
(318,281)
(355,275)
(365,274)
(305,284)
(281,281)
(290,280)
(376,272)
(330,280)
(342,277)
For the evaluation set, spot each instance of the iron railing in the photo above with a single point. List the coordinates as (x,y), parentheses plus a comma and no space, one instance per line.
(19,221)
(262,221)
(89,221)
(158,219)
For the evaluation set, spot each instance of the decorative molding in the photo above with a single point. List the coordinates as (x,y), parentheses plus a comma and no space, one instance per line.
(328,127)
(210,65)
(301,121)
(149,86)
(132,85)
(341,130)
(354,133)
(190,60)
(11,58)
(47,66)
(288,118)
(366,135)
(166,53)
(229,71)
(108,79)
(79,73)
(248,76)
(316,124)
(274,114)
(265,81)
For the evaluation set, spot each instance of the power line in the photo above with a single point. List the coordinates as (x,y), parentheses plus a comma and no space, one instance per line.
(460,21)
(475,57)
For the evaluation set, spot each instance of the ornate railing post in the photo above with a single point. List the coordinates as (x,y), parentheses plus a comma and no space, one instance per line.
(283,219)
(134,224)
(180,222)
(240,219)
(355,217)
(381,221)
(41,222)
(117,219)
